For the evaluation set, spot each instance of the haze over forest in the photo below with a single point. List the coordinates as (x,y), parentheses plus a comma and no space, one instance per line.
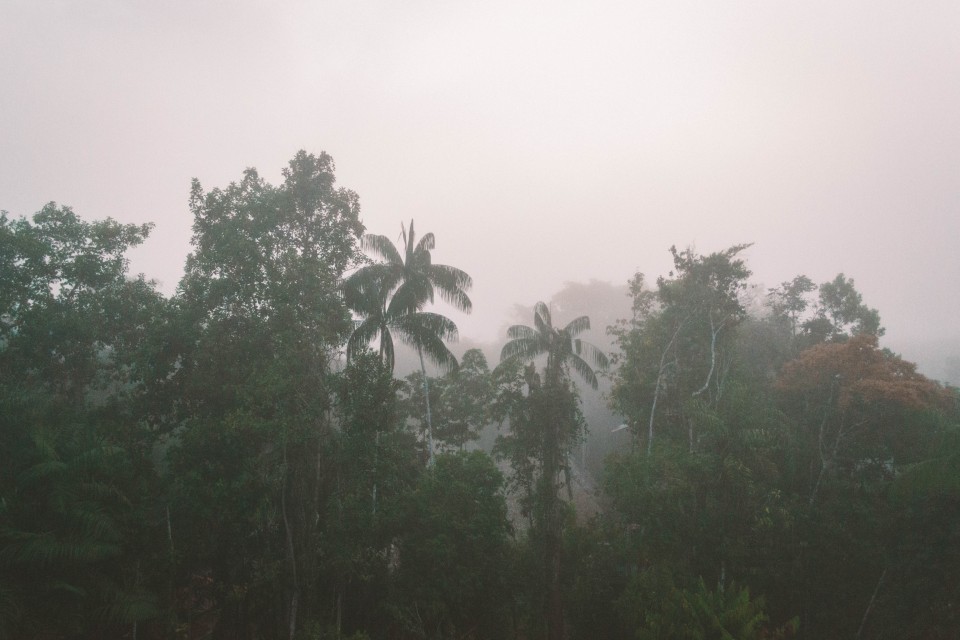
(692,252)
(541,144)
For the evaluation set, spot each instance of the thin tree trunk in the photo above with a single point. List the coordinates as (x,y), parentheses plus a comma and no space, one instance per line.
(714,332)
(873,599)
(339,613)
(291,552)
(656,390)
(552,550)
(170,533)
(653,410)
(820,444)
(426,395)
(554,612)
(376,454)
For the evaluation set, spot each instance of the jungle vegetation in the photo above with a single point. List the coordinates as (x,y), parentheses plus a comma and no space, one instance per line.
(238,460)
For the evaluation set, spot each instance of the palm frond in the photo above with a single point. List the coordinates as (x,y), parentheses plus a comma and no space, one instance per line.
(95,525)
(524,348)
(453,285)
(95,457)
(410,296)
(430,323)
(407,239)
(427,242)
(427,332)
(577,326)
(382,247)
(521,331)
(591,354)
(127,608)
(542,320)
(362,335)
(41,471)
(580,365)
(11,609)
(46,549)
(365,290)
(439,354)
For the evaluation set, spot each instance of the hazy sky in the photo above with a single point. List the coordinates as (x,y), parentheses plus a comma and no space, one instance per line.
(540,141)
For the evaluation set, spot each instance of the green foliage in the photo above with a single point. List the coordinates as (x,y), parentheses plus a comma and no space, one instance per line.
(842,305)
(701,613)
(545,426)
(773,461)
(203,466)
(75,479)
(261,314)
(679,345)
(454,553)
(374,466)
(460,401)
(839,311)
(598,575)
(561,346)
(389,297)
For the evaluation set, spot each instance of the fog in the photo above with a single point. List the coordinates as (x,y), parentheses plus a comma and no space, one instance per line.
(543,143)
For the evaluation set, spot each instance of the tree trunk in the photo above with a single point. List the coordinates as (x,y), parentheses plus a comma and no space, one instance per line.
(426,395)
(656,390)
(294,586)
(873,599)
(552,534)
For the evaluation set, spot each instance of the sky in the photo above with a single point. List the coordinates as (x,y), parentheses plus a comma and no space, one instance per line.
(541,142)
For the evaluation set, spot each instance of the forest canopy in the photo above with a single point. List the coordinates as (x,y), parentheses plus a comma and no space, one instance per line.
(239,460)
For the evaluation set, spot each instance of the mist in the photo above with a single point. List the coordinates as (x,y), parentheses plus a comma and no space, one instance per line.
(541,147)
(227,446)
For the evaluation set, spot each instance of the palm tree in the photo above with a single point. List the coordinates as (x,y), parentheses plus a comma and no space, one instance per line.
(425,331)
(409,281)
(561,346)
(412,278)
(554,406)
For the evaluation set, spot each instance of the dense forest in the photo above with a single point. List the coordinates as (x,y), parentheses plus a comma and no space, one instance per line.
(239,460)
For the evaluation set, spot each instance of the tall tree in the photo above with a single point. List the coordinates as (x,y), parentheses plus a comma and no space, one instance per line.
(677,349)
(428,332)
(75,474)
(453,577)
(262,308)
(393,293)
(460,402)
(376,464)
(545,426)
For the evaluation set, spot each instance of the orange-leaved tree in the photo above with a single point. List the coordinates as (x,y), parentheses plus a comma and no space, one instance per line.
(851,401)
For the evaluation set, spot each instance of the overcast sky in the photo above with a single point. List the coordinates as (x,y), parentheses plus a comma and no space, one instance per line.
(542,142)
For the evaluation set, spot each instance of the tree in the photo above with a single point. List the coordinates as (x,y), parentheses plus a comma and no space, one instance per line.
(460,401)
(724,613)
(847,397)
(374,468)
(561,346)
(464,400)
(262,315)
(454,574)
(677,351)
(545,425)
(857,416)
(838,313)
(76,478)
(409,282)
(788,302)
(425,331)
